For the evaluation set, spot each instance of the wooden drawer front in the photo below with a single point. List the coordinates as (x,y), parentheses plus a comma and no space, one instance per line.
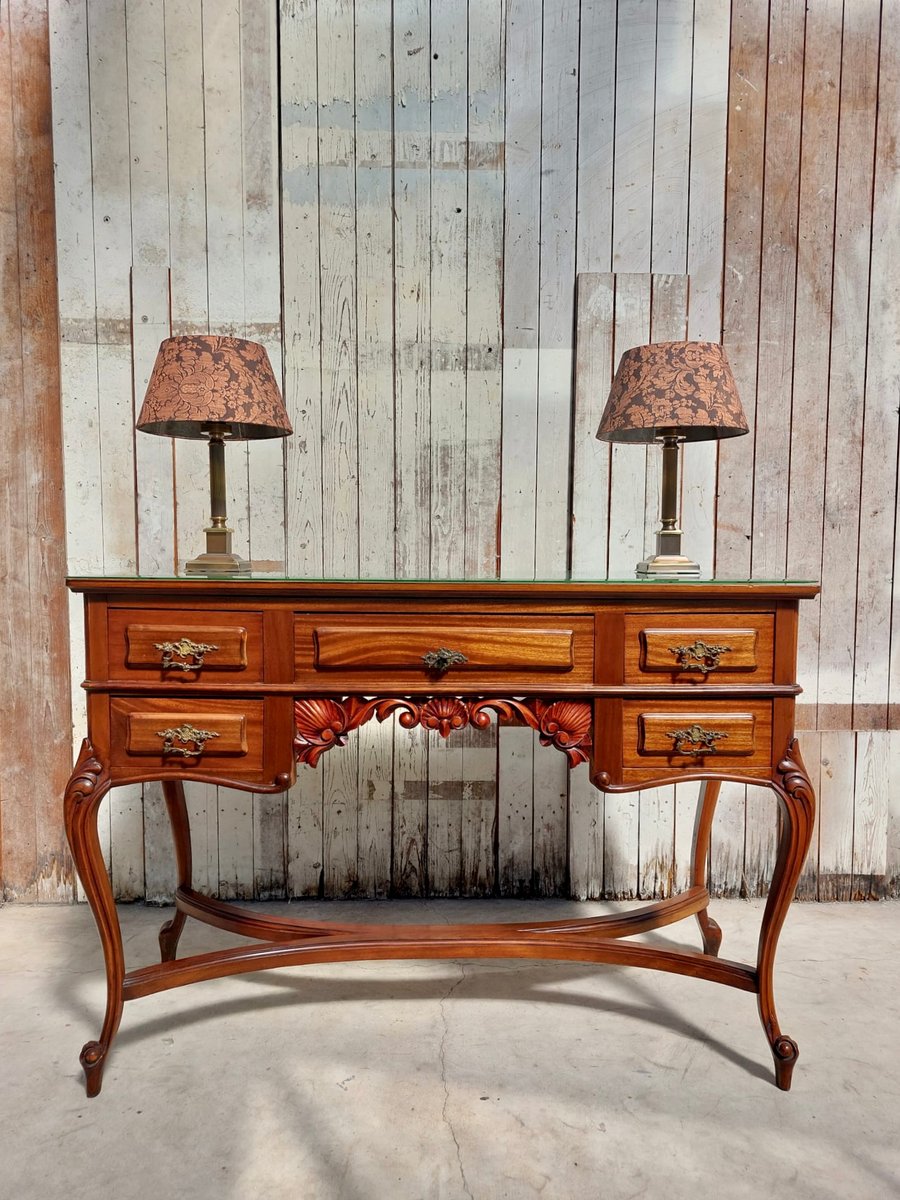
(685,735)
(187,734)
(148,644)
(699,647)
(520,649)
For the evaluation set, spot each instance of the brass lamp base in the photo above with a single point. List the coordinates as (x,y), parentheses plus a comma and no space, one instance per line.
(218,564)
(218,559)
(668,566)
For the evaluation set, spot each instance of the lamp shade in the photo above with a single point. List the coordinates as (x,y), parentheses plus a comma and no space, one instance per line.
(202,380)
(683,386)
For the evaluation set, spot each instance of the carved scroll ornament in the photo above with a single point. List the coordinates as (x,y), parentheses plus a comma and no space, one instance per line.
(323,722)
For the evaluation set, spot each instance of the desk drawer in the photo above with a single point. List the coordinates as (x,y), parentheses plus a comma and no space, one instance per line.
(692,647)
(184,645)
(453,650)
(688,735)
(183,735)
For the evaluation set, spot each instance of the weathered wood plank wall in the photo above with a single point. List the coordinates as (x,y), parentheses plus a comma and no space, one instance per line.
(475,207)
(35,713)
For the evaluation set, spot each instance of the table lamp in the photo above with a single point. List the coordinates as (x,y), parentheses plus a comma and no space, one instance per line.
(672,392)
(214,388)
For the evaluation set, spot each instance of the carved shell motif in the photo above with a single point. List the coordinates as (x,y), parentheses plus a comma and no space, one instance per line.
(566,725)
(444,713)
(320,724)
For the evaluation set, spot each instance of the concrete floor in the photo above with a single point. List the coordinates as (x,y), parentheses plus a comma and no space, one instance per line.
(449,1080)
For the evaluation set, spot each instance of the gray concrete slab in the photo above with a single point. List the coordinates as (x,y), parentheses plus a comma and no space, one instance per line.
(445,1080)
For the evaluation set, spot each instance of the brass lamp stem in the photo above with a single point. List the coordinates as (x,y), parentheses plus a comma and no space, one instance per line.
(669,505)
(217,478)
(669,562)
(218,559)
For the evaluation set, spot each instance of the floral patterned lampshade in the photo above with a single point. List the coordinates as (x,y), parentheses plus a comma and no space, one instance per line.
(200,381)
(668,386)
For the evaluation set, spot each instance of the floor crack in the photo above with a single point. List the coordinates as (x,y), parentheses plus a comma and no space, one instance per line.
(445,1116)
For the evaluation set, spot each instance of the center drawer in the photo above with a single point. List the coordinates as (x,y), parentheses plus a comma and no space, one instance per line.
(443,651)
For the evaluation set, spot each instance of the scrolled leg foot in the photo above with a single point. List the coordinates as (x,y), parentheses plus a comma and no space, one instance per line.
(93,1058)
(785,1052)
(711,933)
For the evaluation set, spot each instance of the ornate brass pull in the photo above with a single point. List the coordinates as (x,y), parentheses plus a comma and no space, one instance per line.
(695,740)
(190,654)
(442,659)
(700,657)
(193,740)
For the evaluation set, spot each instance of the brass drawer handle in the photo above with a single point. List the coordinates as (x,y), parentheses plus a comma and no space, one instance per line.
(442,659)
(193,740)
(701,656)
(695,740)
(190,654)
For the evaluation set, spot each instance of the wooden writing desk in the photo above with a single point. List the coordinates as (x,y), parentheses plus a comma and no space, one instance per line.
(234,681)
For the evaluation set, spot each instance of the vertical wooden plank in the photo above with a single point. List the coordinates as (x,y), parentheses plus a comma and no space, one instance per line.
(412,305)
(375,402)
(590,462)
(893,829)
(668,323)
(836,787)
(847,376)
(705,254)
(340,449)
(777,287)
(559,167)
(448,263)
(726,854)
(484,398)
(515,807)
(870,815)
(150,284)
(302,376)
(521,266)
(596,128)
(585,837)
(760,840)
(235,826)
(811,749)
(300,274)
(412,407)
(743,212)
(673,137)
(633,188)
(410,822)
(374,292)
(72,138)
(656,861)
(34,648)
(448,260)
(685,806)
(484,288)
(812,321)
(879,483)
(375,800)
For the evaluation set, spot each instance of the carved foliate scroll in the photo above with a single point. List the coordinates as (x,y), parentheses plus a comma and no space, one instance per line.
(324,722)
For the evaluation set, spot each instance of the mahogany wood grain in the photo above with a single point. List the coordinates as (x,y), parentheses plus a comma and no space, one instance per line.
(560,658)
(234,643)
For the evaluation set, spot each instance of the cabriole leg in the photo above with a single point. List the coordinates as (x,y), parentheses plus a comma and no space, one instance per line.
(173,791)
(706,808)
(87,786)
(798,807)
